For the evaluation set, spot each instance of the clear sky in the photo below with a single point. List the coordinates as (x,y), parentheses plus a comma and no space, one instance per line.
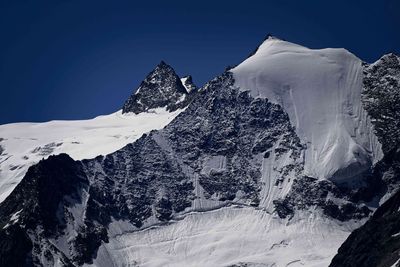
(76,59)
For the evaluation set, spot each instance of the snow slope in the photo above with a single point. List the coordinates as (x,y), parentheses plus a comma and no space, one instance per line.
(224,237)
(321,91)
(24,144)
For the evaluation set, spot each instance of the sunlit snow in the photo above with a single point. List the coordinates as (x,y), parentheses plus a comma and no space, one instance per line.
(321,91)
(24,144)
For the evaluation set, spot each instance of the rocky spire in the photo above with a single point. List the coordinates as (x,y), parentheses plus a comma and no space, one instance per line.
(161,88)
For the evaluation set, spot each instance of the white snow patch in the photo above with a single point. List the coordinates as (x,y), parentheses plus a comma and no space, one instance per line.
(396,235)
(321,91)
(25,144)
(270,170)
(396,264)
(14,218)
(181,99)
(183,81)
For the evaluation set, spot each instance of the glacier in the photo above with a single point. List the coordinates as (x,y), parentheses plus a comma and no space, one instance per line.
(321,91)
(24,144)
(229,236)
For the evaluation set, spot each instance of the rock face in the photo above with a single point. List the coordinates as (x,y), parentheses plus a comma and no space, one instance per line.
(381,98)
(377,243)
(161,88)
(34,212)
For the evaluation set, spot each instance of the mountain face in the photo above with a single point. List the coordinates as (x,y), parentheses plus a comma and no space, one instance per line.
(272,163)
(161,88)
(25,144)
(376,243)
(323,101)
(48,184)
(381,99)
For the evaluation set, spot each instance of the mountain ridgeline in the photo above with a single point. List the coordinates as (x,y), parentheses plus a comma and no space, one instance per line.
(231,149)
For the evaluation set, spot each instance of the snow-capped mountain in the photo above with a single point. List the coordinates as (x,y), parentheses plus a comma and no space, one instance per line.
(321,92)
(24,144)
(272,163)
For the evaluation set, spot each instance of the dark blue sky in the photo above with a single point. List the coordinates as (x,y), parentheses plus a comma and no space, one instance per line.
(76,59)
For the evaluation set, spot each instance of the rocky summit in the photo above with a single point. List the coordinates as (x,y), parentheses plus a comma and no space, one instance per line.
(162,88)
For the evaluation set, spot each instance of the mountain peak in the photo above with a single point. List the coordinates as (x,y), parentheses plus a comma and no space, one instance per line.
(161,88)
(267,38)
(163,64)
(389,58)
(312,85)
(271,37)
